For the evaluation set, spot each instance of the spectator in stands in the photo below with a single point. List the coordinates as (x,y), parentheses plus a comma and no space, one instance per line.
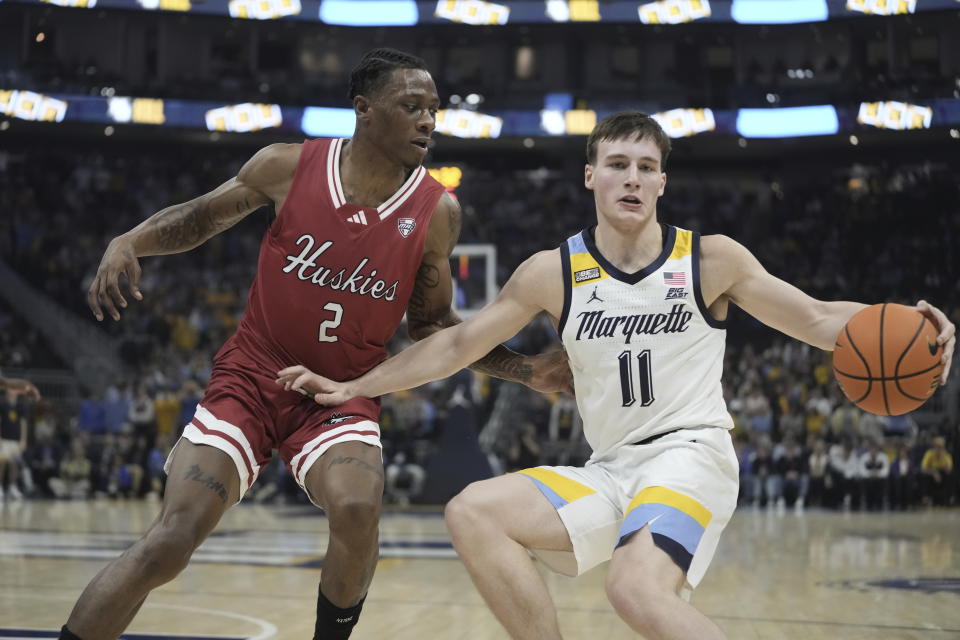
(276,485)
(766,480)
(758,411)
(104,457)
(154,474)
(735,405)
(872,427)
(874,469)
(116,408)
(142,415)
(791,419)
(820,479)
(167,409)
(900,426)
(91,415)
(73,480)
(404,480)
(525,449)
(936,469)
(133,454)
(565,433)
(792,468)
(43,459)
(919,447)
(430,415)
(844,467)
(122,480)
(407,417)
(13,442)
(745,451)
(189,399)
(818,409)
(903,482)
(845,421)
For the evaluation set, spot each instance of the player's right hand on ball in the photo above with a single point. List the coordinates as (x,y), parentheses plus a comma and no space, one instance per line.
(323,390)
(119,258)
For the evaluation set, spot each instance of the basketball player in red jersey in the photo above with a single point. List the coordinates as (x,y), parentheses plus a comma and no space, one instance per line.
(362,235)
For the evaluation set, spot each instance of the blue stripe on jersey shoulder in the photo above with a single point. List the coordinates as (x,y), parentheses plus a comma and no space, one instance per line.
(577,244)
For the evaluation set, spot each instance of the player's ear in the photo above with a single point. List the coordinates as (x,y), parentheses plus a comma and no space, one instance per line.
(361,106)
(663,182)
(588,176)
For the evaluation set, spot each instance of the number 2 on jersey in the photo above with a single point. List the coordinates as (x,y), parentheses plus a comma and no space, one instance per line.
(330,324)
(626,378)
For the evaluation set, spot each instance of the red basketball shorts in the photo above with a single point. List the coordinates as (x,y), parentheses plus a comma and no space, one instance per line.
(247,415)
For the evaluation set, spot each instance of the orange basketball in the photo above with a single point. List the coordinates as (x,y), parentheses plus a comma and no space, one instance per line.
(887,359)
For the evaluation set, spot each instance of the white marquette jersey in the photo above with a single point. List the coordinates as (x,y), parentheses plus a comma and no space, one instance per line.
(646,354)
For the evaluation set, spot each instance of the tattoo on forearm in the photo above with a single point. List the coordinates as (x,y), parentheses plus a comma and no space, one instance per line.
(243,206)
(351,460)
(428,277)
(185,226)
(181,226)
(197,475)
(505,364)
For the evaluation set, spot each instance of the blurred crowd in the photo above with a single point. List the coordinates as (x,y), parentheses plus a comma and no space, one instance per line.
(21,345)
(800,443)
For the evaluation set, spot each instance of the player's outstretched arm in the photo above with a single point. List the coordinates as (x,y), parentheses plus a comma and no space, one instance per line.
(445,352)
(182,227)
(21,386)
(730,269)
(429,311)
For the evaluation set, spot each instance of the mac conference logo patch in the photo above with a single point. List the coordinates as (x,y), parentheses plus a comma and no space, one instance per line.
(586,274)
(406,226)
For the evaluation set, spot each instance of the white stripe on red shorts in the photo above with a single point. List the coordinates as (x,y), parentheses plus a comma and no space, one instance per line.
(205,428)
(366,431)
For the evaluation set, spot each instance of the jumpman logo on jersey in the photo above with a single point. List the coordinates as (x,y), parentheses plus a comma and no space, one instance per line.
(594,296)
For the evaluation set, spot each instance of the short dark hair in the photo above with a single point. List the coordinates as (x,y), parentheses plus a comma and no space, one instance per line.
(624,125)
(375,67)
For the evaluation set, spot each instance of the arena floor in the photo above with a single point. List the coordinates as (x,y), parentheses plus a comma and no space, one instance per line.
(776,575)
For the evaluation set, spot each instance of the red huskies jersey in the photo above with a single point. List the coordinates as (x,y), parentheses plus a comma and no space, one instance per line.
(333,279)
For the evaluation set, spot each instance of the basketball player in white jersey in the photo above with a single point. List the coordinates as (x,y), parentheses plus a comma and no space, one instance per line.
(640,308)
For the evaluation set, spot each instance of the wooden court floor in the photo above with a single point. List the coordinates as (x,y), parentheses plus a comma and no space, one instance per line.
(776,575)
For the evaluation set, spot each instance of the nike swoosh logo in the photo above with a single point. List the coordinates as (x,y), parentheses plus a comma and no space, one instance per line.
(933,348)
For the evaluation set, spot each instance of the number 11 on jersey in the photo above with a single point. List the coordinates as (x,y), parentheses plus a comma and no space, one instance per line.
(626,378)
(330,324)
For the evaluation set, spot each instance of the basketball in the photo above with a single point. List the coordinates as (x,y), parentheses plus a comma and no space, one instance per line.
(887,360)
